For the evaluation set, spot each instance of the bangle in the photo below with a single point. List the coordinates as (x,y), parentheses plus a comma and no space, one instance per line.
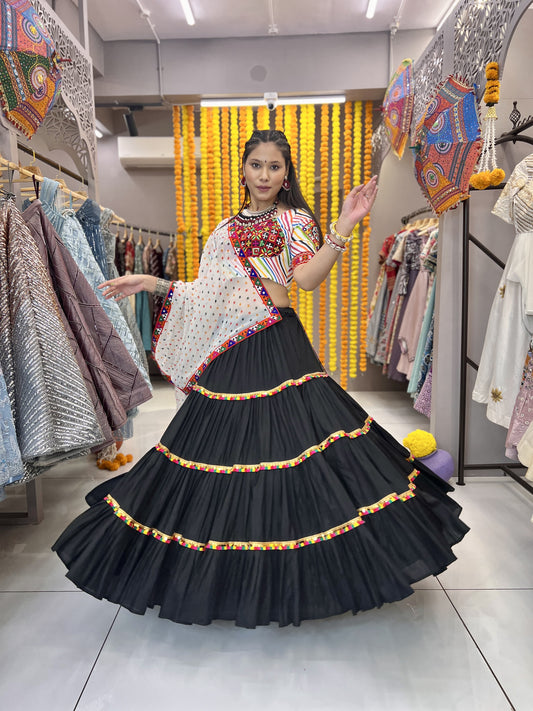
(333,230)
(333,245)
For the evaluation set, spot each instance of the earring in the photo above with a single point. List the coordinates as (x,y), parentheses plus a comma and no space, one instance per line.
(286,184)
(243,181)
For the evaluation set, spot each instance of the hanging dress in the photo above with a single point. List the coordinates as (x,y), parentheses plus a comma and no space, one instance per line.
(52,411)
(510,325)
(73,237)
(112,272)
(11,469)
(272,496)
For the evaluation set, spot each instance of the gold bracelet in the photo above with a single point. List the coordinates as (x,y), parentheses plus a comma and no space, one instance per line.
(333,230)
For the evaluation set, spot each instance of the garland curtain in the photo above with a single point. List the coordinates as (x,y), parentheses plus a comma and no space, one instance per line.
(331,151)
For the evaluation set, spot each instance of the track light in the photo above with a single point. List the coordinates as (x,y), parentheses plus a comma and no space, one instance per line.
(187,11)
(371,9)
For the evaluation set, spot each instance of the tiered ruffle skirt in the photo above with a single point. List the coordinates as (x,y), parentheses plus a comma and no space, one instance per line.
(272,497)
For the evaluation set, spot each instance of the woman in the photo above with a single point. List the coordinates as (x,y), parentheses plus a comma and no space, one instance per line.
(251,508)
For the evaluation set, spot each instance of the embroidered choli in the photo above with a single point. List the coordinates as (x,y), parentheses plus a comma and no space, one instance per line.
(275,246)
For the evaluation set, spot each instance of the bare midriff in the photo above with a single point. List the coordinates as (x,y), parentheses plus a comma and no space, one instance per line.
(278,293)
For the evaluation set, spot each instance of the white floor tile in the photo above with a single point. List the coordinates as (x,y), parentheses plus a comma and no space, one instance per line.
(497,551)
(49,644)
(26,559)
(412,656)
(501,622)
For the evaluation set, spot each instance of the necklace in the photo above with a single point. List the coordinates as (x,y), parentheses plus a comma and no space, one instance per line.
(251,214)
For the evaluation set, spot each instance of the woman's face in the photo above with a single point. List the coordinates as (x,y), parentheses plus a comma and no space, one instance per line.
(264,170)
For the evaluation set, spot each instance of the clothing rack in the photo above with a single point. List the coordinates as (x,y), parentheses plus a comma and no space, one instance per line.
(421,211)
(509,468)
(51,163)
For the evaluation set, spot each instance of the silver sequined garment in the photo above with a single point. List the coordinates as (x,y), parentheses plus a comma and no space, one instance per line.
(52,411)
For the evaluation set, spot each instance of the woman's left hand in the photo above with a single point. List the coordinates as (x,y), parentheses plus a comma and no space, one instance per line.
(357,205)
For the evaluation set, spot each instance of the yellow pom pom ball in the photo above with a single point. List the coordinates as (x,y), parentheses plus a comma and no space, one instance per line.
(480,181)
(497,176)
(420,443)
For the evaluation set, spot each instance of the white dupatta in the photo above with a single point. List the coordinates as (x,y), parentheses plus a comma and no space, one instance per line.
(201,319)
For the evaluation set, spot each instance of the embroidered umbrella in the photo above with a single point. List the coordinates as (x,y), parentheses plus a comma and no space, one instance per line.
(447,144)
(29,71)
(398,106)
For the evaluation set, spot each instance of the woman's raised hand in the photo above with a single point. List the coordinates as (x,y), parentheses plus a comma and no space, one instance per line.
(357,205)
(120,287)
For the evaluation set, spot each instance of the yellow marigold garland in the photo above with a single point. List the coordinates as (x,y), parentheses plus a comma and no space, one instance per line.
(354,245)
(204,172)
(263,118)
(249,121)
(487,171)
(369,114)
(333,275)
(278,119)
(324,220)
(178,169)
(235,160)
(211,171)
(217,150)
(187,196)
(290,129)
(345,264)
(195,230)
(226,162)
(303,138)
(311,130)
(291,132)
(243,137)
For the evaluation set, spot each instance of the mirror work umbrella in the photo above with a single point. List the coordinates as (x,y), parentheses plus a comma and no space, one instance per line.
(398,106)
(29,67)
(447,144)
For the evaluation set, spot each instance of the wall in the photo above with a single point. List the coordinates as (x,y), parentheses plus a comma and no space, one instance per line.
(241,66)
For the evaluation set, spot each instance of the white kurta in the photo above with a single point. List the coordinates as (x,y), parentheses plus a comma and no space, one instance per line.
(510,325)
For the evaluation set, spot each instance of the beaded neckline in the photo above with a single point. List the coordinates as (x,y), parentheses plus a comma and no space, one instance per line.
(246,215)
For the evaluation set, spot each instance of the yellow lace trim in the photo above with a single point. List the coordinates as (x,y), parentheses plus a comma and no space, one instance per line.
(262,466)
(258,393)
(266,545)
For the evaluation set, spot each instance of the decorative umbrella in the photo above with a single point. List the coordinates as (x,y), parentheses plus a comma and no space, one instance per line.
(447,144)
(398,106)
(29,71)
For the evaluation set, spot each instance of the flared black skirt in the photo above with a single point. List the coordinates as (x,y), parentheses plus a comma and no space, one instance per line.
(272,496)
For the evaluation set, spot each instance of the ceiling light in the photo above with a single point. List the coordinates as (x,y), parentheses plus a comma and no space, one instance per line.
(282,101)
(187,11)
(98,133)
(371,9)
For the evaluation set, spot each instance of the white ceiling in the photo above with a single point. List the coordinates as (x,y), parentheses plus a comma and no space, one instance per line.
(123,19)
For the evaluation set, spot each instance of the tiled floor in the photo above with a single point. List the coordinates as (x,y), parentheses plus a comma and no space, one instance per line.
(462,642)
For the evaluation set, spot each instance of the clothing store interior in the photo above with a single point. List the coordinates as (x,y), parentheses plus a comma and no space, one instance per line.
(405,374)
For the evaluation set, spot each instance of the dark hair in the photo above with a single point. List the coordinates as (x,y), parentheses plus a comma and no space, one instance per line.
(293,196)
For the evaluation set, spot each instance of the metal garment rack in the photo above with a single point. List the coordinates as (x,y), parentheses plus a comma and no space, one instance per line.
(509,468)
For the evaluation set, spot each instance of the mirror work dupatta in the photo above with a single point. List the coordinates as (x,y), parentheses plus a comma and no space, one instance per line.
(203,318)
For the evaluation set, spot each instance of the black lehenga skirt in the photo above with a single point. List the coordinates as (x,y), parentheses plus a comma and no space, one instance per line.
(273,496)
